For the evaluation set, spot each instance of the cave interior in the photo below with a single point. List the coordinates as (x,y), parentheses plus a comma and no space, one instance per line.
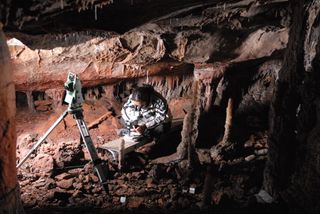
(240,78)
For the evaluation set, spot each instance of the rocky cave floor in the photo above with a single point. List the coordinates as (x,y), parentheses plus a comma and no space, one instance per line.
(58,178)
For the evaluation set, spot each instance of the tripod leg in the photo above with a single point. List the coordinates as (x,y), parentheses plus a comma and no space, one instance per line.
(35,146)
(97,163)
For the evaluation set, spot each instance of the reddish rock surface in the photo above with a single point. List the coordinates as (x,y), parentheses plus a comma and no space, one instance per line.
(164,45)
(229,48)
(71,182)
(9,187)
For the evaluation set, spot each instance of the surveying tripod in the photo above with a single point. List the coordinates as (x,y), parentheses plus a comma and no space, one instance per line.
(74,98)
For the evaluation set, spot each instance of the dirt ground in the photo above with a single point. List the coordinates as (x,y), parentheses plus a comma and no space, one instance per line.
(59,178)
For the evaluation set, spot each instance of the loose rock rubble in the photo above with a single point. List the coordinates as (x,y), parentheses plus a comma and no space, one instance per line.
(61,176)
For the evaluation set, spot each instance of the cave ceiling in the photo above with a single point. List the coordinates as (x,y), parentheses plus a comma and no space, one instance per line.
(120,37)
(60,16)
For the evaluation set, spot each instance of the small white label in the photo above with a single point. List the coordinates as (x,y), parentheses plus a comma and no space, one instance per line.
(192,190)
(123,199)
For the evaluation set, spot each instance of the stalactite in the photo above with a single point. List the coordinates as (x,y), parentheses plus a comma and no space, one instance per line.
(56,95)
(96,12)
(30,101)
(87,4)
(61,4)
(208,96)
(171,86)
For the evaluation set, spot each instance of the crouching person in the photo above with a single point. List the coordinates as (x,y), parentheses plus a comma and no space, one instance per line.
(145,115)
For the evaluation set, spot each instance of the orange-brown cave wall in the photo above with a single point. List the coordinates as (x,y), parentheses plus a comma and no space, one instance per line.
(9,187)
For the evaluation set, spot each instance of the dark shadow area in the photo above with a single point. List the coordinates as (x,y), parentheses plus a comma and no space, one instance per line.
(21,100)
(167,144)
(250,85)
(120,16)
(211,127)
(227,206)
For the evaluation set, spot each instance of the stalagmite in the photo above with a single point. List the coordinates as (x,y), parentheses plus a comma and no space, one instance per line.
(217,150)
(189,133)
(9,188)
(193,120)
(228,124)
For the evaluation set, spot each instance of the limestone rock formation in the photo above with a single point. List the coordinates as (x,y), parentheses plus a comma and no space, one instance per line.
(165,45)
(234,49)
(293,158)
(9,187)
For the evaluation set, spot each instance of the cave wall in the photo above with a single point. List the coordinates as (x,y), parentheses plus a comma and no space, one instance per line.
(292,169)
(229,48)
(9,187)
(302,191)
(200,34)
